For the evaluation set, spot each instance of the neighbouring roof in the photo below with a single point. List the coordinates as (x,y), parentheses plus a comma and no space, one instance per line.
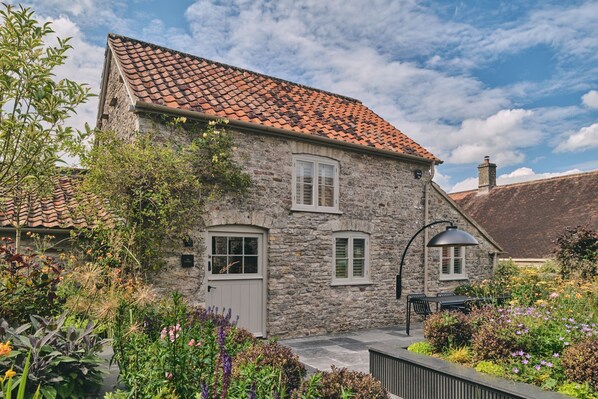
(161,76)
(66,208)
(525,218)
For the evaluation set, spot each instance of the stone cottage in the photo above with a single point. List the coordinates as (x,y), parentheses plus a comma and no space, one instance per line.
(337,193)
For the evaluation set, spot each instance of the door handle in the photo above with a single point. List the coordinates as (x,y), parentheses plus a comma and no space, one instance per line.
(211,288)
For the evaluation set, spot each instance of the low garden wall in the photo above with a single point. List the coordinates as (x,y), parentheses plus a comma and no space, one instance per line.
(415,376)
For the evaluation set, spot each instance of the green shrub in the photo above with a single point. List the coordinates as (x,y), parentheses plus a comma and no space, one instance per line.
(580,362)
(28,285)
(577,252)
(461,355)
(580,391)
(341,384)
(274,355)
(447,329)
(494,340)
(423,347)
(63,360)
(490,368)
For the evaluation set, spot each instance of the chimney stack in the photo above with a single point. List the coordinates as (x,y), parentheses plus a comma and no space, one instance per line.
(486,176)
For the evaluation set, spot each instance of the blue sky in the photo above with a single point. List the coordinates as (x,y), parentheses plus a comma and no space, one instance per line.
(515,80)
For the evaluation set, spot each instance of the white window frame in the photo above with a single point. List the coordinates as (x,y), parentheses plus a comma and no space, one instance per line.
(350,280)
(316,161)
(452,275)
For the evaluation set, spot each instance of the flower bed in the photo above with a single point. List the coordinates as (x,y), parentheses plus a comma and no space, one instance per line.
(176,351)
(546,336)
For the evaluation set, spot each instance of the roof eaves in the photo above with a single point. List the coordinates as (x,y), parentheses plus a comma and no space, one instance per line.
(162,109)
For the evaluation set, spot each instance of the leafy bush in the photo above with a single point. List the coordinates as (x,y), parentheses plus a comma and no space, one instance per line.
(63,360)
(461,355)
(580,362)
(447,329)
(577,252)
(340,384)
(423,347)
(28,284)
(495,340)
(490,368)
(276,356)
(580,391)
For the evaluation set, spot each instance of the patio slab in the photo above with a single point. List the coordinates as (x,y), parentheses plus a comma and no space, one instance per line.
(350,349)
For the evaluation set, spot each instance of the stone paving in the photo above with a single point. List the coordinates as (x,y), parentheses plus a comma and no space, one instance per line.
(349,349)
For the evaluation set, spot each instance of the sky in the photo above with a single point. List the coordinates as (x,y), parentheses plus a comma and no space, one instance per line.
(514,80)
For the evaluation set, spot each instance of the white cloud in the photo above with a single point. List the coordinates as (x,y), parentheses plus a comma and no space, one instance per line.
(584,139)
(470,183)
(519,175)
(501,136)
(83,65)
(590,99)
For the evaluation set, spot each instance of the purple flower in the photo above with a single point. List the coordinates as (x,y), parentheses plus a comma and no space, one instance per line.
(566,343)
(537,367)
(515,370)
(543,362)
(252,391)
(555,355)
(221,338)
(549,364)
(204,390)
(525,361)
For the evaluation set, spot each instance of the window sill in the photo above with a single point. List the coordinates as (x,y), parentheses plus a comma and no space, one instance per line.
(453,277)
(350,282)
(315,210)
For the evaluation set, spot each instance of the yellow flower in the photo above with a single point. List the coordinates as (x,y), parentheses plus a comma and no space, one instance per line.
(5,349)
(9,373)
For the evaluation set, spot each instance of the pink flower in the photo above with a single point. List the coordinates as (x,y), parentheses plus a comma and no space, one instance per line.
(168,375)
(163,333)
(192,342)
(515,370)
(554,295)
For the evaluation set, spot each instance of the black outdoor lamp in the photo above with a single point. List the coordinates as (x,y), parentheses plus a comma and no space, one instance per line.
(452,236)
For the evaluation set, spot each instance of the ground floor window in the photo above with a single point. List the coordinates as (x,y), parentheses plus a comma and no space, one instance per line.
(351,260)
(452,262)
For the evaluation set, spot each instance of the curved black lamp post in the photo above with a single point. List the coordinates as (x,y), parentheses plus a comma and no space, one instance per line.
(452,236)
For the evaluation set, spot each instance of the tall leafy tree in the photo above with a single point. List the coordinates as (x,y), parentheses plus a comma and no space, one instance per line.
(34,107)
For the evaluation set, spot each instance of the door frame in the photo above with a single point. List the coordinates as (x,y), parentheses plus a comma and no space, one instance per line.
(241,229)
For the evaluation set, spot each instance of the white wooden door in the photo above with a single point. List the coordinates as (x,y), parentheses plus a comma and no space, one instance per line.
(235,276)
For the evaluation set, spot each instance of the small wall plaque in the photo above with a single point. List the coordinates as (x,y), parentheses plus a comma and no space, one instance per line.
(187,261)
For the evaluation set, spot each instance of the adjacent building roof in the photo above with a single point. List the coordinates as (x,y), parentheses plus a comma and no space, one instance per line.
(161,76)
(525,218)
(66,208)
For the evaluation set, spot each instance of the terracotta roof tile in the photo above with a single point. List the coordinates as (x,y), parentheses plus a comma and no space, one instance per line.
(62,210)
(161,76)
(525,218)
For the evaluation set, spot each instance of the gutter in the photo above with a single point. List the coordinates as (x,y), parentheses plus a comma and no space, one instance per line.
(140,106)
(42,230)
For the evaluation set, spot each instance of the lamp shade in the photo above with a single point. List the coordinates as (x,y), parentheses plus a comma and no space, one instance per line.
(452,236)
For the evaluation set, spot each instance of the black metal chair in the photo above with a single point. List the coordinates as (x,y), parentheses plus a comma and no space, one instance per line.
(420,307)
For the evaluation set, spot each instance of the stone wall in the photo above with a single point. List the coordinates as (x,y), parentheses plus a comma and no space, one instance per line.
(378,196)
(117,118)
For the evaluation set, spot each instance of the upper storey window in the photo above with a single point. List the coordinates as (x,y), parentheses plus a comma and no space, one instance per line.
(315,184)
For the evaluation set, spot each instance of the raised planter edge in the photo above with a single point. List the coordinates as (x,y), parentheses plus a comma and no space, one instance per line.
(510,389)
